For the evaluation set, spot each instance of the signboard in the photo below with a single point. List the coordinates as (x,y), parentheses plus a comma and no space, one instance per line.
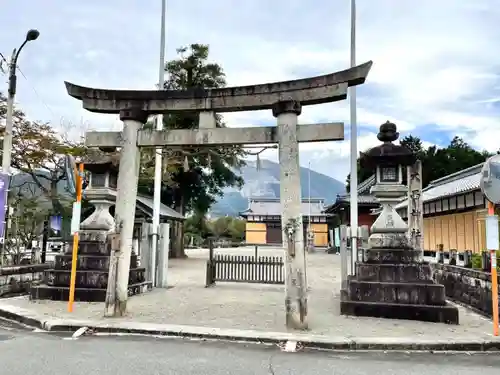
(4,188)
(337,236)
(490,179)
(75,219)
(492,236)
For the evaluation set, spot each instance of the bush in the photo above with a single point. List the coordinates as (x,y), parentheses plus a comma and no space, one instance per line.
(477,261)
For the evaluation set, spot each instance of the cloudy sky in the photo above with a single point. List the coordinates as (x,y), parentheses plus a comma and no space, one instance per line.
(435,74)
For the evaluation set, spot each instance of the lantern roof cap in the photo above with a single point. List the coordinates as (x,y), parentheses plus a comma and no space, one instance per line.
(387,153)
(98,162)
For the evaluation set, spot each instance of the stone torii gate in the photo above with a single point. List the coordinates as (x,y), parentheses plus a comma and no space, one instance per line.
(285,99)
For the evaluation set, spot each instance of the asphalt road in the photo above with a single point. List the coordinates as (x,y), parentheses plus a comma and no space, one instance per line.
(23,351)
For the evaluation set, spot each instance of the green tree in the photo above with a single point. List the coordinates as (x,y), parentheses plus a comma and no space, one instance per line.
(26,217)
(38,150)
(228,227)
(196,188)
(220,227)
(237,229)
(197,229)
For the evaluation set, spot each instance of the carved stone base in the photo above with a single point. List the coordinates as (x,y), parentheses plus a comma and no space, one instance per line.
(412,272)
(393,256)
(389,241)
(391,282)
(389,221)
(92,272)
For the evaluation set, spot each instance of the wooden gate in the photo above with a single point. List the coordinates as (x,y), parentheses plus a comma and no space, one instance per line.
(245,269)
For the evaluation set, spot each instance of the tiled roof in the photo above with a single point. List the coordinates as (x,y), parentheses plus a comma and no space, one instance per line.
(272,206)
(361,198)
(165,211)
(364,196)
(364,187)
(460,182)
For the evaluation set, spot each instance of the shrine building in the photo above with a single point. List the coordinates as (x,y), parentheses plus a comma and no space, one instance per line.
(366,204)
(263,217)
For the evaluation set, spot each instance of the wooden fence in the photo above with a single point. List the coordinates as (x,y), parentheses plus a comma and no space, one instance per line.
(245,269)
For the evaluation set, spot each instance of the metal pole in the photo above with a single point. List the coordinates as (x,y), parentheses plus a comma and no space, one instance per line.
(158,153)
(494,276)
(354,146)
(7,138)
(309,188)
(309,227)
(74,257)
(343,257)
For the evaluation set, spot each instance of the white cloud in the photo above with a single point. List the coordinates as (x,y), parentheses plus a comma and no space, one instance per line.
(436,63)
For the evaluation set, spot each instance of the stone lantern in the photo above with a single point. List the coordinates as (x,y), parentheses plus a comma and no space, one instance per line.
(94,248)
(103,177)
(387,161)
(392,280)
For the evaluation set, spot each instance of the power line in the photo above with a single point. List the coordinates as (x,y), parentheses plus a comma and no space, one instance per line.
(29,83)
(4,60)
(36,93)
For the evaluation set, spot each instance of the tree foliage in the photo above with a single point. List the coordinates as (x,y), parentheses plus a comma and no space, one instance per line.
(38,150)
(198,229)
(26,219)
(436,162)
(196,188)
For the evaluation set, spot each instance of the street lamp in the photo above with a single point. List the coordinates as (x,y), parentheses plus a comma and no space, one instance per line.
(7,138)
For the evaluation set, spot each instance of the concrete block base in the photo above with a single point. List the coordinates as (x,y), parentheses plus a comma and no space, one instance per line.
(391,292)
(438,314)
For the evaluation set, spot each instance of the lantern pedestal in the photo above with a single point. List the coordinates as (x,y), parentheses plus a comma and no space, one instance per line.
(94,248)
(392,281)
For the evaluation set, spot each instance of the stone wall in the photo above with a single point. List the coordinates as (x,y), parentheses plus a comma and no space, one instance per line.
(468,286)
(18,279)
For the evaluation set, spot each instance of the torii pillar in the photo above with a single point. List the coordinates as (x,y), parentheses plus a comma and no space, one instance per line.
(285,99)
(128,179)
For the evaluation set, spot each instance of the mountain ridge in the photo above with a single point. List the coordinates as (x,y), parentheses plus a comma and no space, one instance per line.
(265,183)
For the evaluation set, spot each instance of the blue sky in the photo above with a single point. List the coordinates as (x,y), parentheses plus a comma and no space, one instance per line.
(435,74)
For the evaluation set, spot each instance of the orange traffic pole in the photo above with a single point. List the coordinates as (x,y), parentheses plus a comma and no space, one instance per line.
(494,278)
(74,257)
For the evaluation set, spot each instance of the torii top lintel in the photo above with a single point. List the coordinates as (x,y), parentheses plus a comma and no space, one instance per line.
(314,90)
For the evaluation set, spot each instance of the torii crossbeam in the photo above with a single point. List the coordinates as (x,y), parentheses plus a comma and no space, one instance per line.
(285,99)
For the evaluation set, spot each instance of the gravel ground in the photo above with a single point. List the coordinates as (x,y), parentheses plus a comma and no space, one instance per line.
(259,307)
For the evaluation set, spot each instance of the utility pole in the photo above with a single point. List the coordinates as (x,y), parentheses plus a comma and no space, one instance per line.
(354,148)
(309,226)
(158,155)
(7,138)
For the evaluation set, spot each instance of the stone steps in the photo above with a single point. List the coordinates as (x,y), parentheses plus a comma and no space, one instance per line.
(88,262)
(426,313)
(399,293)
(61,293)
(394,272)
(392,256)
(93,248)
(88,278)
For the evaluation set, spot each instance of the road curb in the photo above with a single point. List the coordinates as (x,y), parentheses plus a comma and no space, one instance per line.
(308,341)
